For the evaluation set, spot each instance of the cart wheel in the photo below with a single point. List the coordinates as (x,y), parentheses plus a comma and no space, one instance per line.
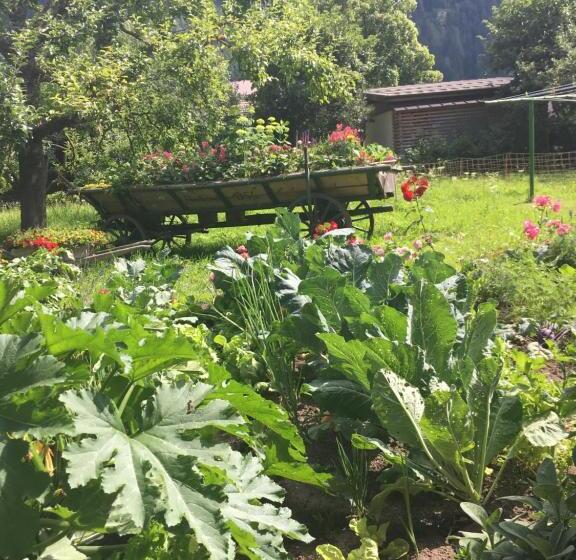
(362,218)
(166,239)
(320,209)
(124,229)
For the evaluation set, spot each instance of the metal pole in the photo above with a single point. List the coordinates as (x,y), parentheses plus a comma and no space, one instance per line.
(532,147)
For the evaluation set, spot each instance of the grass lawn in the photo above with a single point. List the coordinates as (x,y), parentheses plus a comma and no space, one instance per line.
(467,218)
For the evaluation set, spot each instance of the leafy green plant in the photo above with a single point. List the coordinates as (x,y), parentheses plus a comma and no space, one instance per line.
(354,467)
(523,287)
(106,429)
(373,544)
(551,535)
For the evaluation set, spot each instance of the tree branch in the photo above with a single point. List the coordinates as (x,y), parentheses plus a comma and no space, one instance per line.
(58,124)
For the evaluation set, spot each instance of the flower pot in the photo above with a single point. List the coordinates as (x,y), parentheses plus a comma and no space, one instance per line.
(17,252)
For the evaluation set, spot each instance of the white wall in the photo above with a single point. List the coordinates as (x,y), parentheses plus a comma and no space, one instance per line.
(380,129)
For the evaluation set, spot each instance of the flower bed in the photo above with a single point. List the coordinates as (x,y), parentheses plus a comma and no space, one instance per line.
(81,241)
(253,149)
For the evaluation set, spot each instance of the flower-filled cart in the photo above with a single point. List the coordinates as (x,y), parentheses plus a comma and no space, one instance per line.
(335,182)
(348,196)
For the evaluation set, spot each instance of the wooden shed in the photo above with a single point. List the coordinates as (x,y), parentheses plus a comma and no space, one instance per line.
(402,115)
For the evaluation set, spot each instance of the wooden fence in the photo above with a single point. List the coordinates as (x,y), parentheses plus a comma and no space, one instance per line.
(505,164)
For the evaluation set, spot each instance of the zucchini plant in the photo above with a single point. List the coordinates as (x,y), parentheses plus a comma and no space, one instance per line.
(113,421)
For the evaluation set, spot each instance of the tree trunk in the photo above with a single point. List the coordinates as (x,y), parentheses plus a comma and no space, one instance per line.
(32,184)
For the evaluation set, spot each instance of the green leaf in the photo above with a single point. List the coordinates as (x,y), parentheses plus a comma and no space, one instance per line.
(385,354)
(433,328)
(397,549)
(288,223)
(475,512)
(342,397)
(22,367)
(323,291)
(479,332)
(382,275)
(19,481)
(399,406)
(352,261)
(505,425)
(249,403)
(546,431)
(394,325)
(368,551)
(144,469)
(329,552)
(347,357)
(62,550)
(163,469)
(13,299)
(430,266)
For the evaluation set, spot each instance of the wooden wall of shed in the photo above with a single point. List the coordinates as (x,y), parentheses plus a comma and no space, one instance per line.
(439,122)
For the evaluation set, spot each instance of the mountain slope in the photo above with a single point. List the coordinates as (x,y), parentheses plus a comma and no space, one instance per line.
(450,28)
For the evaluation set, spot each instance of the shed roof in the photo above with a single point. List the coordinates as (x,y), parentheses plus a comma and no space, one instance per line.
(437,88)
(425,106)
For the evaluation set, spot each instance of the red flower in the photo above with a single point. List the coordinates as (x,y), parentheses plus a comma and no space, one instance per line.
(421,185)
(41,243)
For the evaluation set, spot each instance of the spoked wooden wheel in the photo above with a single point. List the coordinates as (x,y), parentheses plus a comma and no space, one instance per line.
(362,218)
(124,229)
(167,237)
(320,209)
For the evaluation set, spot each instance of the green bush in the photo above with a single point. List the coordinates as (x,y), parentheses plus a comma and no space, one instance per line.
(521,286)
(561,251)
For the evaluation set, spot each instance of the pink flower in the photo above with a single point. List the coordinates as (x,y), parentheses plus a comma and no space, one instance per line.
(222,154)
(418,244)
(344,134)
(378,250)
(402,251)
(531,230)
(185,169)
(556,206)
(542,201)
(242,251)
(168,155)
(563,229)
(353,240)
(553,223)
(388,236)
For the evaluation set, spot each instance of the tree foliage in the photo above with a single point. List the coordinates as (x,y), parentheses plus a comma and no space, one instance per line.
(373,42)
(535,40)
(113,80)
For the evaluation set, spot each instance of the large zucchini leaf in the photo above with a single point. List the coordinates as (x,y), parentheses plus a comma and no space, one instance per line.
(165,468)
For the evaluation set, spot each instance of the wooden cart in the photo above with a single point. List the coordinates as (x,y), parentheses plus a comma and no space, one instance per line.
(169,212)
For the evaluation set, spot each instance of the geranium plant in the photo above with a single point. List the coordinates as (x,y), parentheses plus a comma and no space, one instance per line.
(545,227)
(252,148)
(52,238)
(413,189)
